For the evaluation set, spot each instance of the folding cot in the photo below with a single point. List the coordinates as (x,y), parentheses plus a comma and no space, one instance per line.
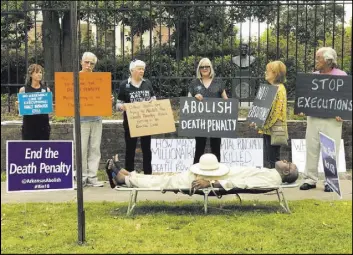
(218,192)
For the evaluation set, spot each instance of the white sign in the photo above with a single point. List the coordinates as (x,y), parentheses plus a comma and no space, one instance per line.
(299,156)
(242,152)
(177,155)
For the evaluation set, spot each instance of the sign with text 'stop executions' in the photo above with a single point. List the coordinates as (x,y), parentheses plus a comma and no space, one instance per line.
(177,155)
(328,152)
(35,103)
(210,117)
(299,156)
(150,118)
(95,94)
(262,104)
(320,95)
(39,165)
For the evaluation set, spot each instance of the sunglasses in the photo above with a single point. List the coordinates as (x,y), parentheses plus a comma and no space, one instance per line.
(204,67)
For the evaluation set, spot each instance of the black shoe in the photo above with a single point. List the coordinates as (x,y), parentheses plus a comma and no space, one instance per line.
(110,174)
(306,186)
(328,188)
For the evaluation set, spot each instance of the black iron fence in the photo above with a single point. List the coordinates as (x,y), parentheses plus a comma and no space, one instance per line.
(171,37)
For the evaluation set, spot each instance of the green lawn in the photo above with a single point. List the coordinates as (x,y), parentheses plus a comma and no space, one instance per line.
(180,227)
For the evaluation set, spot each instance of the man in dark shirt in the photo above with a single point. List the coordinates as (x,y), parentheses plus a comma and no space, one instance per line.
(135,89)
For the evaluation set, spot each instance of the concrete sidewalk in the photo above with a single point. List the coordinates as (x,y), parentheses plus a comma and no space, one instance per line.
(96,194)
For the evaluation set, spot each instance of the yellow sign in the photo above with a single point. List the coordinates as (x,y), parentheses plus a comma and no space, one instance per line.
(150,118)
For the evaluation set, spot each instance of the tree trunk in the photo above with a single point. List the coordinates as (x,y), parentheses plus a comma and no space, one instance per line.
(67,41)
(51,46)
(182,43)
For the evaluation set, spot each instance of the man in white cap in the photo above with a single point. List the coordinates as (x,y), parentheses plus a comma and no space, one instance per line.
(135,89)
(207,173)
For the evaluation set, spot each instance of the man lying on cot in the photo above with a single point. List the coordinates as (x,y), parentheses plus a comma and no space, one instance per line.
(207,173)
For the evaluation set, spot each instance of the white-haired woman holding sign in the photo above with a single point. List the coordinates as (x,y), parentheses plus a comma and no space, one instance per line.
(135,89)
(205,85)
(325,63)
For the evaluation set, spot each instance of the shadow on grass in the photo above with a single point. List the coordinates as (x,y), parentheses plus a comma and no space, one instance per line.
(198,209)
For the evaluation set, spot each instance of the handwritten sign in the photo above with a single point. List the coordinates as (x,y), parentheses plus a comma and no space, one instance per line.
(95,94)
(328,152)
(177,155)
(262,104)
(299,156)
(324,95)
(39,165)
(211,117)
(150,118)
(35,103)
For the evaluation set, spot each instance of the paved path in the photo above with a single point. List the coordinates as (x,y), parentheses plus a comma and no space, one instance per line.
(95,194)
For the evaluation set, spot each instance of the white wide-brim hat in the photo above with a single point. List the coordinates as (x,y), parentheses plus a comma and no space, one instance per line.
(209,166)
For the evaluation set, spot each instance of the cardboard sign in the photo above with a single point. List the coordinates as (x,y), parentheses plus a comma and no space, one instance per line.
(321,95)
(95,94)
(299,156)
(177,155)
(150,118)
(39,165)
(328,152)
(211,117)
(262,104)
(35,103)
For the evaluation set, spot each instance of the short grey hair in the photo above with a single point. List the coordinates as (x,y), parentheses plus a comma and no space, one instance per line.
(329,55)
(202,62)
(88,54)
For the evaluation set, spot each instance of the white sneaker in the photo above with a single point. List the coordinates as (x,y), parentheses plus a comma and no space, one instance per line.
(95,184)
(84,184)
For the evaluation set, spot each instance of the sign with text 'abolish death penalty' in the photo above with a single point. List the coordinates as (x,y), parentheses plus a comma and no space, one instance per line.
(328,151)
(35,103)
(150,118)
(262,104)
(210,117)
(95,94)
(321,95)
(39,165)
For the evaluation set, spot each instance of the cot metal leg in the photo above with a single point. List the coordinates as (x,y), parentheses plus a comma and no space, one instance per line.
(132,202)
(282,200)
(237,195)
(205,199)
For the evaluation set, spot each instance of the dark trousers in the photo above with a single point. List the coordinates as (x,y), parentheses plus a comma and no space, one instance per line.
(35,132)
(130,152)
(201,145)
(271,152)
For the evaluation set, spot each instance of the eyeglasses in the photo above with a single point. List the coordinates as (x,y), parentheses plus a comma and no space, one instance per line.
(204,67)
(89,62)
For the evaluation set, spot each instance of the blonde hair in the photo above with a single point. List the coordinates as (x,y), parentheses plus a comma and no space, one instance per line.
(279,69)
(88,54)
(329,55)
(31,69)
(203,61)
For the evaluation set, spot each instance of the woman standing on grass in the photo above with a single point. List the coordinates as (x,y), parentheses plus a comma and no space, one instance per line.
(205,85)
(35,127)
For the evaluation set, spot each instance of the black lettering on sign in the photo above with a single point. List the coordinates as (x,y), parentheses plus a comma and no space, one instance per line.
(324,95)
(262,104)
(211,117)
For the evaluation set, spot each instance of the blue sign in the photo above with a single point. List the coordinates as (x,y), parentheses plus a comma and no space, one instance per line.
(328,151)
(35,103)
(39,165)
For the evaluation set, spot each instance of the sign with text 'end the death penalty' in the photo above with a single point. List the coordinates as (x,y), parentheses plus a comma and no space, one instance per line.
(39,165)
(210,117)
(326,96)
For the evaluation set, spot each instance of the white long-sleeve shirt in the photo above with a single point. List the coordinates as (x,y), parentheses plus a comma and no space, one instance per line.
(238,177)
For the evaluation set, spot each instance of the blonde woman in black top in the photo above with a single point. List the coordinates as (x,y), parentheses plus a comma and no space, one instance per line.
(206,85)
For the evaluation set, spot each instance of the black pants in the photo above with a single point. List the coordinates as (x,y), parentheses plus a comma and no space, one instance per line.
(130,144)
(201,145)
(271,152)
(35,132)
